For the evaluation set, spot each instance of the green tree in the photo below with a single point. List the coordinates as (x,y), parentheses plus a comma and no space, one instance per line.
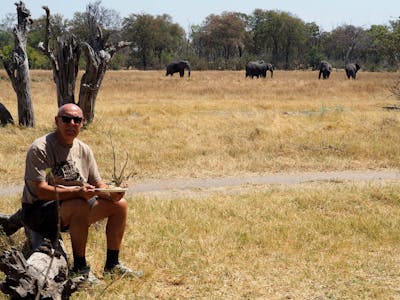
(342,44)
(378,36)
(279,37)
(6,40)
(313,53)
(154,40)
(84,24)
(393,48)
(220,38)
(169,39)
(6,35)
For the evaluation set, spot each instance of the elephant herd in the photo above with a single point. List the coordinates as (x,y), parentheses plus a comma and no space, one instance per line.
(325,69)
(259,68)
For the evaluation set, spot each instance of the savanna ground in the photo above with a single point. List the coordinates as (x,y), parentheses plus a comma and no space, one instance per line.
(325,240)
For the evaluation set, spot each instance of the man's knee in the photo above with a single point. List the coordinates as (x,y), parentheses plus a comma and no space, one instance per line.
(74,209)
(121,207)
(118,206)
(123,204)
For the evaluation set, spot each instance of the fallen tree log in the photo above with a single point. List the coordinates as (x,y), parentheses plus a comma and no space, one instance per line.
(44,273)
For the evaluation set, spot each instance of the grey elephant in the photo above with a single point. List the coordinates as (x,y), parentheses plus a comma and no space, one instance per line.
(351,70)
(178,66)
(258,68)
(325,69)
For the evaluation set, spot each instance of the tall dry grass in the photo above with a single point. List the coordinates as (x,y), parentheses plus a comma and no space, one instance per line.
(314,241)
(219,123)
(321,241)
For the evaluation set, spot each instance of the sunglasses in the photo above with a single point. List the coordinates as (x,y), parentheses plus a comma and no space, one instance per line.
(67,119)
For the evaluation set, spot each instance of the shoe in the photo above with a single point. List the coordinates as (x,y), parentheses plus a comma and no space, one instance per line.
(87,275)
(122,270)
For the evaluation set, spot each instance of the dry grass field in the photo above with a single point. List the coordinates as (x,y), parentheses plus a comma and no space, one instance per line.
(219,123)
(329,240)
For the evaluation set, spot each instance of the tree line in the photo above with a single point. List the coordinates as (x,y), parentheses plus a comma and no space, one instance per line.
(222,42)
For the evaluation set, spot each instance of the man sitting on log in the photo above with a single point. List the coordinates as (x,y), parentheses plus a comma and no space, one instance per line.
(72,179)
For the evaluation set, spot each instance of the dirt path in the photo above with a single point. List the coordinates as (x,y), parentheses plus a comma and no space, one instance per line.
(193,185)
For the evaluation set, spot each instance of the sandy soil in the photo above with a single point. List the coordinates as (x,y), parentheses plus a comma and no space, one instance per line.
(198,186)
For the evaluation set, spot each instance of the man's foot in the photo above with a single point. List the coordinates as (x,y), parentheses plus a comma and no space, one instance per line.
(122,270)
(87,275)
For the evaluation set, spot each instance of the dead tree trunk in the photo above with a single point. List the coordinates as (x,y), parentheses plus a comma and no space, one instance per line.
(17,67)
(65,63)
(98,58)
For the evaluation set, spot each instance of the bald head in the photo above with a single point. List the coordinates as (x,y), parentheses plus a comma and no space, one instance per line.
(69,122)
(71,109)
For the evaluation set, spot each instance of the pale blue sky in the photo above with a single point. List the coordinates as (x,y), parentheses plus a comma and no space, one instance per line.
(327,14)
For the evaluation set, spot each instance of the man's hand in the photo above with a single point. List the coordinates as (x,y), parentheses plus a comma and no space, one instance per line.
(86,192)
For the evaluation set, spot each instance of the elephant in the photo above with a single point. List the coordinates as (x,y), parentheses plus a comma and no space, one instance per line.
(271,68)
(178,66)
(5,116)
(351,70)
(325,69)
(258,68)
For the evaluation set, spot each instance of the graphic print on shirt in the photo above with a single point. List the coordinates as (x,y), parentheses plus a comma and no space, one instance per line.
(66,173)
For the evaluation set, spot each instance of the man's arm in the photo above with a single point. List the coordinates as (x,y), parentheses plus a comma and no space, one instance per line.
(46,192)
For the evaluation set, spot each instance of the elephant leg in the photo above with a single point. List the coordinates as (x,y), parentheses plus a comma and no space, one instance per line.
(181,73)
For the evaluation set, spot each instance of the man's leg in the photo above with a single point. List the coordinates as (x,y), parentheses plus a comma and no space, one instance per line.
(75,214)
(115,212)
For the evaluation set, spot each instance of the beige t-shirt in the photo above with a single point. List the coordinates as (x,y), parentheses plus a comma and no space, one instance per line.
(70,164)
